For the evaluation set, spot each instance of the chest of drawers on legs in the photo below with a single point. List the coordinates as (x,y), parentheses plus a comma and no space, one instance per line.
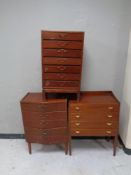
(62,54)
(96,114)
(44,122)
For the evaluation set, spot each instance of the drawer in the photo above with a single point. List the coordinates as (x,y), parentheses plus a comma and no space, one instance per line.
(94,116)
(64,69)
(61,76)
(59,84)
(77,36)
(45,124)
(45,107)
(62,61)
(62,53)
(93,108)
(38,116)
(93,132)
(46,139)
(94,125)
(46,132)
(56,44)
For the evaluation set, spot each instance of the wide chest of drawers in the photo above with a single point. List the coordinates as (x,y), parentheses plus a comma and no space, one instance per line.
(44,122)
(96,114)
(62,54)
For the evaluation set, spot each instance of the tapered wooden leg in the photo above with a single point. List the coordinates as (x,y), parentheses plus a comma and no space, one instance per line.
(78,96)
(44,95)
(115,141)
(66,148)
(108,139)
(29,148)
(70,148)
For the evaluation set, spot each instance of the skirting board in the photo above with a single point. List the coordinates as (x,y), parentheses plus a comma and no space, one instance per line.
(22,136)
(12,136)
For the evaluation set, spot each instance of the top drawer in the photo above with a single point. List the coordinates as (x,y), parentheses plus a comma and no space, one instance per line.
(76,36)
(83,108)
(45,107)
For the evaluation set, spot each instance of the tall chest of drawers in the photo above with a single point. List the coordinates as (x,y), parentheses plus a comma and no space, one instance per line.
(44,122)
(96,114)
(62,54)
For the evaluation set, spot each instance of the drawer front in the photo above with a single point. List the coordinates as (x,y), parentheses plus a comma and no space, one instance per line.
(62,61)
(38,116)
(44,124)
(94,116)
(93,132)
(46,139)
(46,107)
(64,69)
(59,84)
(61,76)
(62,53)
(77,36)
(93,125)
(46,132)
(93,108)
(56,44)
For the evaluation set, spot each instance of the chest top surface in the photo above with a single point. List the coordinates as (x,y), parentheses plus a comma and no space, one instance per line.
(97,97)
(37,98)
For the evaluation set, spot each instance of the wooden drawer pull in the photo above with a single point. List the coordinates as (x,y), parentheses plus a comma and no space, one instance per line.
(77,108)
(109,124)
(77,124)
(108,132)
(77,116)
(109,116)
(77,132)
(110,107)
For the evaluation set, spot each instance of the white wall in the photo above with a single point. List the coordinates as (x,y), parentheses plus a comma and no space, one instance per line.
(106,26)
(125,117)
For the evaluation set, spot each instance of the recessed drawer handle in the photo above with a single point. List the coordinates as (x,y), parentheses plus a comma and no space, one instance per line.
(108,132)
(41,107)
(43,122)
(110,116)
(110,107)
(62,51)
(77,108)
(62,35)
(61,68)
(77,132)
(109,124)
(44,133)
(64,44)
(62,61)
(77,116)
(77,124)
(46,69)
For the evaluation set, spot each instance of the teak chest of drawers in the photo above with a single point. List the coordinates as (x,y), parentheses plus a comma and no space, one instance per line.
(44,122)
(96,114)
(62,54)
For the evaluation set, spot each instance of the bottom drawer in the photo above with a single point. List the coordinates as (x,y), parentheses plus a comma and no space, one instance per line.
(47,140)
(59,84)
(92,132)
(46,132)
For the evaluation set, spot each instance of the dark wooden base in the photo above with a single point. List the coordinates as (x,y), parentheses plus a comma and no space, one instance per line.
(47,95)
